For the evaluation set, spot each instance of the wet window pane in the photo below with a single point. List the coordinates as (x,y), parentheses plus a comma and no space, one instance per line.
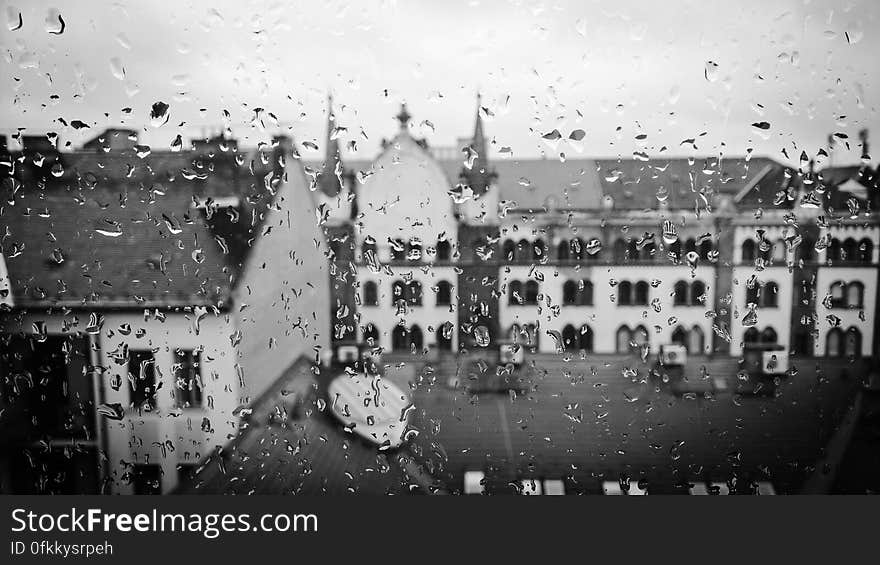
(530,249)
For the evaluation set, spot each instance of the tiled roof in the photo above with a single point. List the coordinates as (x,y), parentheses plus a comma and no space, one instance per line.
(584,184)
(114,246)
(538,184)
(125,227)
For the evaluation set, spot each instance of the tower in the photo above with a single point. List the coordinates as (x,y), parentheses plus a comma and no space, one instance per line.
(477,226)
(330,178)
(476,172)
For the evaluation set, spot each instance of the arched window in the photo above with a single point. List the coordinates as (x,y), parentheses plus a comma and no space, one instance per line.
(838,294)
(850,250)
(368,250)
(624,293)
(524,251)
(696,341)
(585,293)
(444,293)
(569,337)
(371,335)
(680,336)
(748,251)
(538,250)
(398,249)
(509,250)
(751,336)
(753,292)
(769,335)
(569,293)
(562,250)
(398,291)
(866,251)
(414,250)
(770,295)
(371,294)
(399,339)
(698,289)
(642,293)
(834,251)
(679,293)
(592,250)
(853,343)
(834,343)
(585,343)
(640,337)
(705,249)
(578,248)
(416,338)
(532,335)
(855,294)
(515,293)
(623,338)
(444,250)
(532,291)
(414,293)
(444,336)
(620,251)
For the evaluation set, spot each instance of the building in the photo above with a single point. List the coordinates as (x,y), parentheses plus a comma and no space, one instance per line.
(148,299)
(600,256)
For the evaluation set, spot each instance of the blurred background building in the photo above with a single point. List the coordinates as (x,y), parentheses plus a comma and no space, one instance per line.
(149,297)
(435,253)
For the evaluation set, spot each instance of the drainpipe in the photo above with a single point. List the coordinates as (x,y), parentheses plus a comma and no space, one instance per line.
(100,423)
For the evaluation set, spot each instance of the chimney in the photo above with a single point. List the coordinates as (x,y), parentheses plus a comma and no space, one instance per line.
(863,137)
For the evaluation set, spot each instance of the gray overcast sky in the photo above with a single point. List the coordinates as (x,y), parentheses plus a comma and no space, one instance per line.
(670,70)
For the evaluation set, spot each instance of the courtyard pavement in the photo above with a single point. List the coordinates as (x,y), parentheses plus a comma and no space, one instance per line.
(581,421)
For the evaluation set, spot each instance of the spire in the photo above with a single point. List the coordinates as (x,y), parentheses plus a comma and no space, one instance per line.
(330,177)
(479,141)
(403,117)
(476,172)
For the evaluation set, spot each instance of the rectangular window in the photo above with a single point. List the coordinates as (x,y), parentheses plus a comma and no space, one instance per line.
(142,379)
(187,378)
(146,479)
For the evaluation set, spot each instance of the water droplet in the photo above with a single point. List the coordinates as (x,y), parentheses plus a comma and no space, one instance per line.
(55,23)
(117,69)
(711,71)
(159,114)
(751,317)
(481,336)
(112,411)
